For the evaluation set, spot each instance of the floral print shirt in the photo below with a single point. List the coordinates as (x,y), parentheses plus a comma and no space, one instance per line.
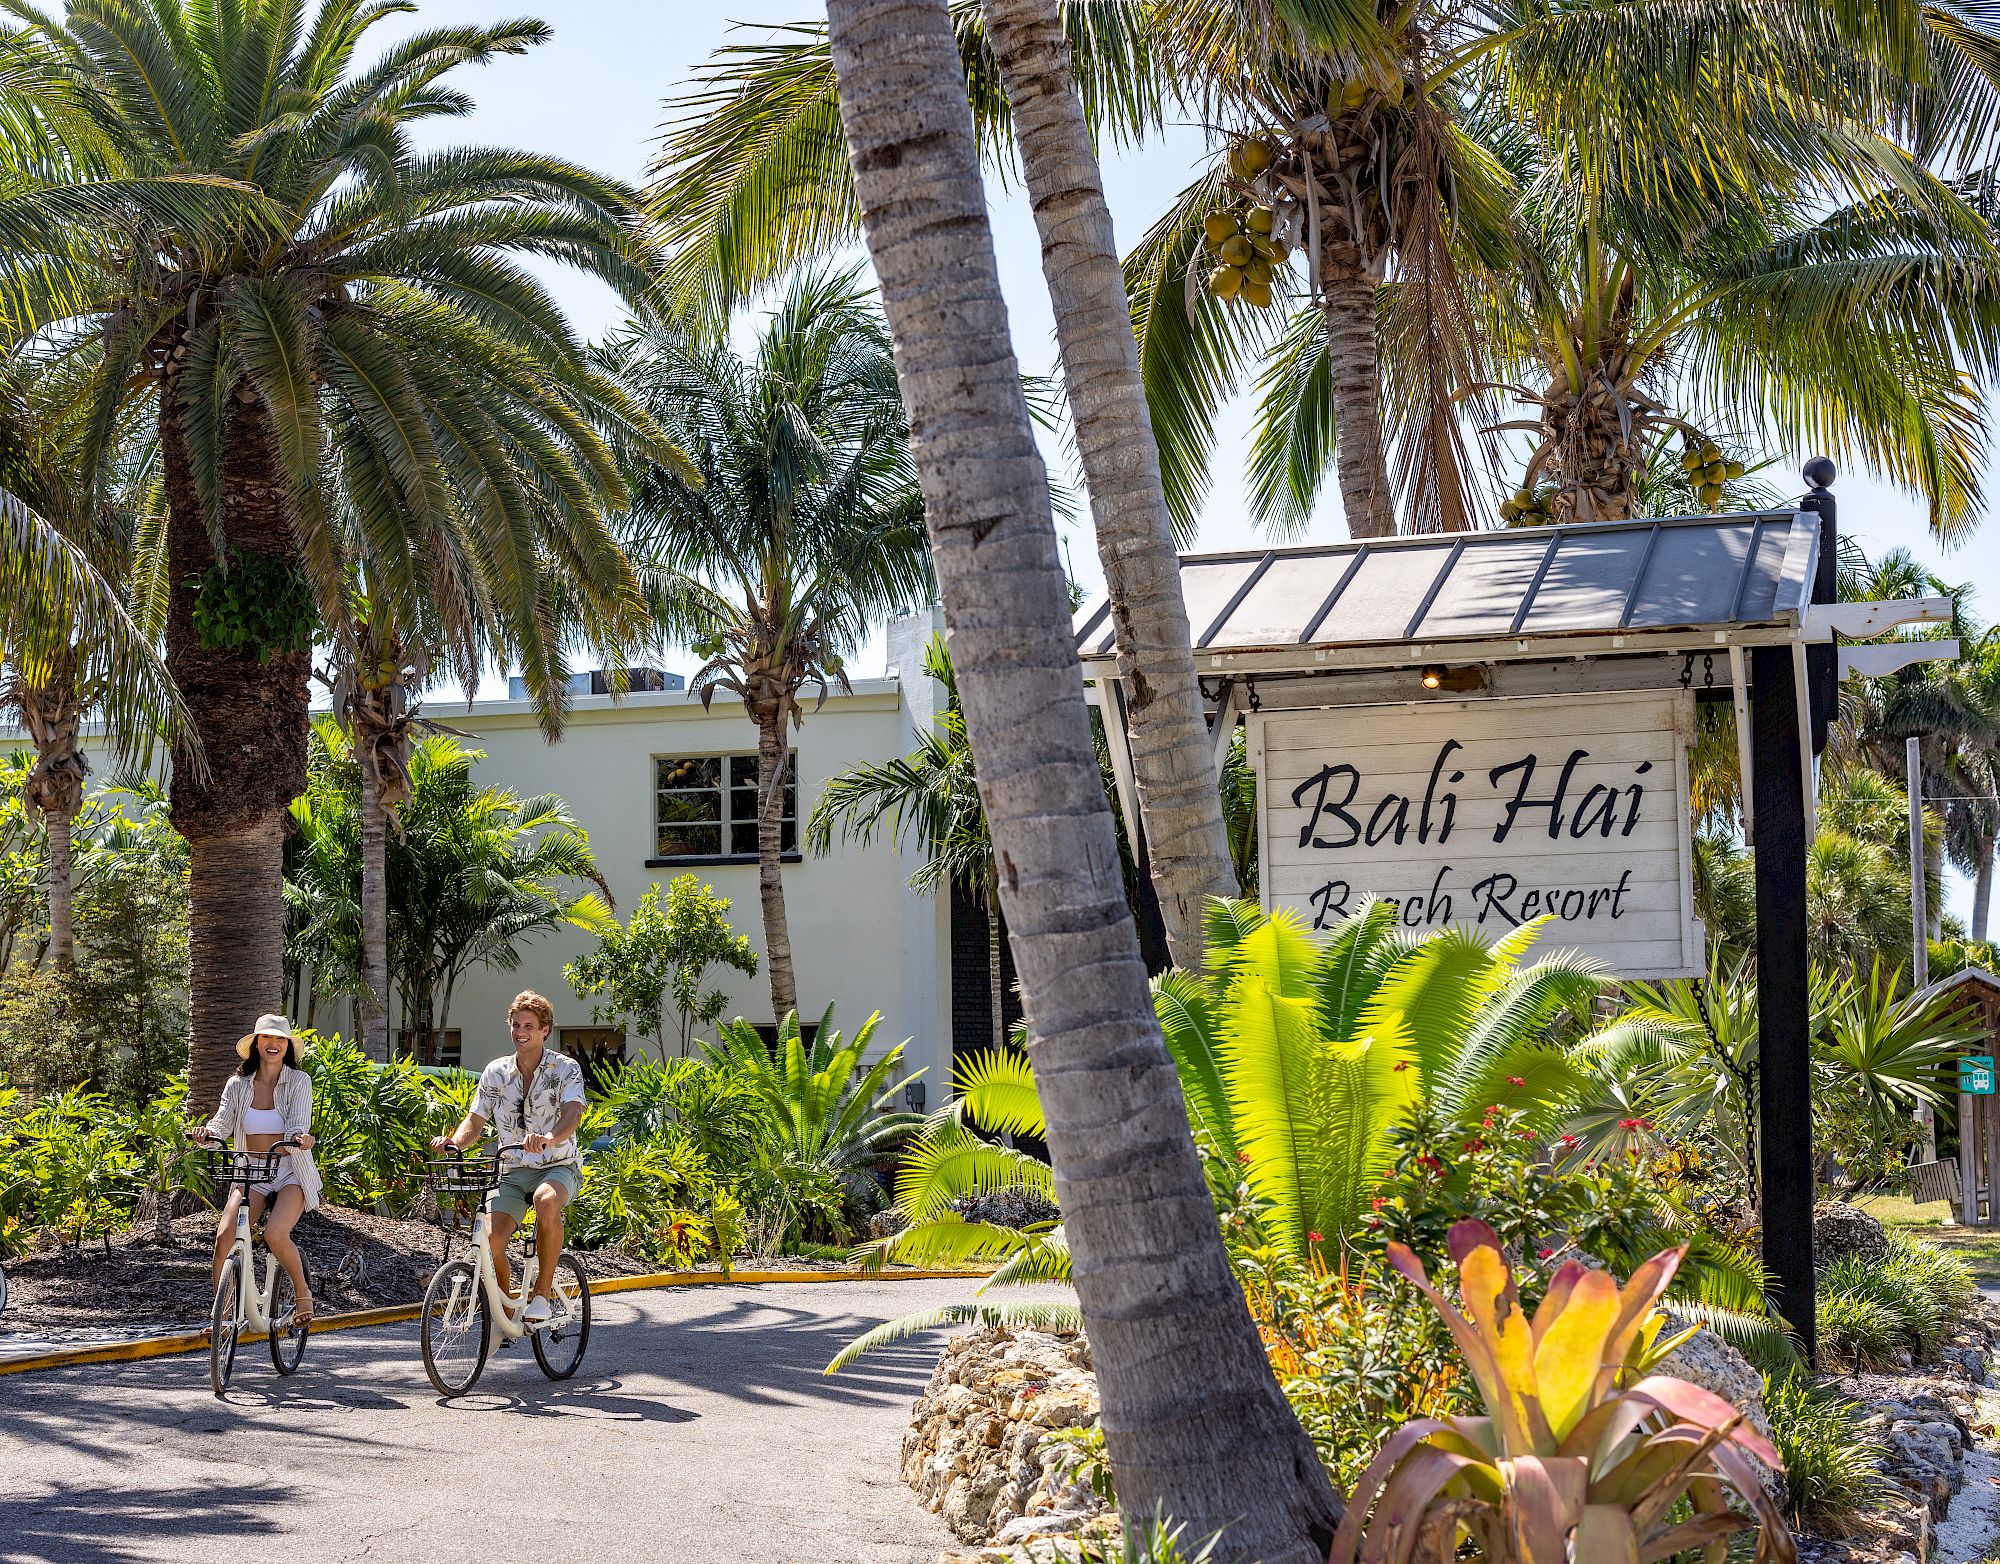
(518,1109)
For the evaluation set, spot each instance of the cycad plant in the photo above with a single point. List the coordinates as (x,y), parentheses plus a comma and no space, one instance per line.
(828,1121)
(951,1162)
(1299,1056)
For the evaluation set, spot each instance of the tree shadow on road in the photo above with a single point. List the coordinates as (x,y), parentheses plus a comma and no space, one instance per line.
(602,1400)
(752,1349)
(106,1525)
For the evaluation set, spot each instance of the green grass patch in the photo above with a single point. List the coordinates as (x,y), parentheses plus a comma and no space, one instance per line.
(1977,1247)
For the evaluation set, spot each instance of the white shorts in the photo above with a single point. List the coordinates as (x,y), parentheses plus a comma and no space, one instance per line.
(287,1179)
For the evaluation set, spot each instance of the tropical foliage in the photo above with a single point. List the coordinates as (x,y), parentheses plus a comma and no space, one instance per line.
(475,874)
(663,955)
(335,336)
(1579,1439)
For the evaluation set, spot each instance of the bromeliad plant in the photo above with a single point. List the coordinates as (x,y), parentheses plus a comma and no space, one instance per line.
(1584,1453)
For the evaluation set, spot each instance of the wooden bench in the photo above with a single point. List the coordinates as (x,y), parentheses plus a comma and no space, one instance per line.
(1934,1181)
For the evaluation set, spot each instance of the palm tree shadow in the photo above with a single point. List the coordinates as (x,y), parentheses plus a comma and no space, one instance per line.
(750,1349)
(104,1525)
(604,1400)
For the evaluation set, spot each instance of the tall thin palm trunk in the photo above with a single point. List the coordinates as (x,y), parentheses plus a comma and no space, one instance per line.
(1172,762)
(62,922)
(52,712)
(374,916)
(1354,365)
(1982,890)
(234,878)
(1195,1423)
(770,870)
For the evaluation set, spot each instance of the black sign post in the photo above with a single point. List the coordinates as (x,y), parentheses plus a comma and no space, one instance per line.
(1784,1016)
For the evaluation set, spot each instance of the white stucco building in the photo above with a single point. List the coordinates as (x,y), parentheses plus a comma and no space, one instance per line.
(663,788)
(649,778)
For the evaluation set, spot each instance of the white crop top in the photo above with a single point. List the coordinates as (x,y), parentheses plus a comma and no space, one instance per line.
(263,1121)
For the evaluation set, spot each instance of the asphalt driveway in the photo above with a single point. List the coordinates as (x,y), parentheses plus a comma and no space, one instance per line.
(699,1429)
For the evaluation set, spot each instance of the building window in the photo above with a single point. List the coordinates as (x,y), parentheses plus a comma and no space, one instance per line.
(448,1047)
(707,806)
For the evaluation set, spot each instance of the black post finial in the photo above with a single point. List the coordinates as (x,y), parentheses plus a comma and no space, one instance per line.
(1819,472)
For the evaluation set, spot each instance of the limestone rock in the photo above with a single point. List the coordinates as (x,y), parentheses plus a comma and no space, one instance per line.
(1841,1231)
(974,1452)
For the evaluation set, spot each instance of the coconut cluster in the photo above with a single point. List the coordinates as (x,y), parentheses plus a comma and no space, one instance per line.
(1238,240)
(1529,507)
(1708,471)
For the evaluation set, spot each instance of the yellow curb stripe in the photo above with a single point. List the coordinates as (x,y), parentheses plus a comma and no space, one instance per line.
(398,1313)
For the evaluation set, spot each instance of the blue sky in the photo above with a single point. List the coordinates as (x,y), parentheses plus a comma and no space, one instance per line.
(594,93)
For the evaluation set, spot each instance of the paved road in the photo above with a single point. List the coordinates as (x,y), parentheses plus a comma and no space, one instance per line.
(699,1429)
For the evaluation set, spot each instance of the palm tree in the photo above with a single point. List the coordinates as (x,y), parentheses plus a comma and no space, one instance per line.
(320,307)
(1196,1425)
(933,794)
(62,667)
(1186,836)
(475,873)
(800,523)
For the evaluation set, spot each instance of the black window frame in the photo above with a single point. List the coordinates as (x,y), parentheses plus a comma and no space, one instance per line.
(734,789)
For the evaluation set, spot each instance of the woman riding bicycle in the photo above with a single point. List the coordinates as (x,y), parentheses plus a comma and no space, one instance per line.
(269,1099)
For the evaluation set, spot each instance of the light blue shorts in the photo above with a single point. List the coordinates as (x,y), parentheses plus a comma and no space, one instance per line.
(516,1190)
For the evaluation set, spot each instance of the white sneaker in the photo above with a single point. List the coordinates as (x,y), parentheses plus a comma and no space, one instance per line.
(537,1312)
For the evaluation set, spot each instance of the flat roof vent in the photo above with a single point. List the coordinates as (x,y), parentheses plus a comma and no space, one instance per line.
(598,682)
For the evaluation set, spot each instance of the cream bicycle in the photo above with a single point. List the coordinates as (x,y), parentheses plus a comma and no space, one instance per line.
(466,1302)
(241,1304)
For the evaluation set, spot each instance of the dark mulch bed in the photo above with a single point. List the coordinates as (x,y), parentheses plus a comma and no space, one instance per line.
(358,1261)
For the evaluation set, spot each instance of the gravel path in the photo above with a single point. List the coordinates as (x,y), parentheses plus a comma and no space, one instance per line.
(699,1430)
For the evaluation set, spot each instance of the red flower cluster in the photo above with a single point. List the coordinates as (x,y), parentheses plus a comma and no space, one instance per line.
(1516,1080)
(1314,1238)
(1475,1145)
(1430,1163)
(1378,1203)
(1400,1064)
(1635,1124)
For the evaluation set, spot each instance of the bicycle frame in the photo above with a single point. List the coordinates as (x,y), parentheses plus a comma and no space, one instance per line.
(506,1313)
(255,1301)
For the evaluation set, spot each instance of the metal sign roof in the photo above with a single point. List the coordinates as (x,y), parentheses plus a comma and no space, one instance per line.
(1694,573)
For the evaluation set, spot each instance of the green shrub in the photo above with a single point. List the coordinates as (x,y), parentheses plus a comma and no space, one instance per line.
(1948,1278)
(1833,1475)
(1903,1290)
(1857,1333)
(645,1196)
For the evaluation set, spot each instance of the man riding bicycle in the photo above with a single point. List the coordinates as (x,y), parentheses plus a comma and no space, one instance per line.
(534,1096)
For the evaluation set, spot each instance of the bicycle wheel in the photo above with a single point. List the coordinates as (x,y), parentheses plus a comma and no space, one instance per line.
(3,1292)
(288,1340)
(559,1344)
(225,1324)
(456,1331)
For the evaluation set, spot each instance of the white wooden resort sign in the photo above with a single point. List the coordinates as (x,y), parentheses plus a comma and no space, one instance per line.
(1489,813)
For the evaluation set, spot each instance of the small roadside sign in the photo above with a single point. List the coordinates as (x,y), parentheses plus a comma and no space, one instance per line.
(1975,1075)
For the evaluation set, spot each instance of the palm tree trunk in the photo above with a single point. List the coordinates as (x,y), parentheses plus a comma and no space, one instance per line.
(374,916)
(1982,890)
(1195,1423)
(232,875)
(1934,891)
(1186,840)
(250,717)
(1347,295)
(770,876)
(62,922)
